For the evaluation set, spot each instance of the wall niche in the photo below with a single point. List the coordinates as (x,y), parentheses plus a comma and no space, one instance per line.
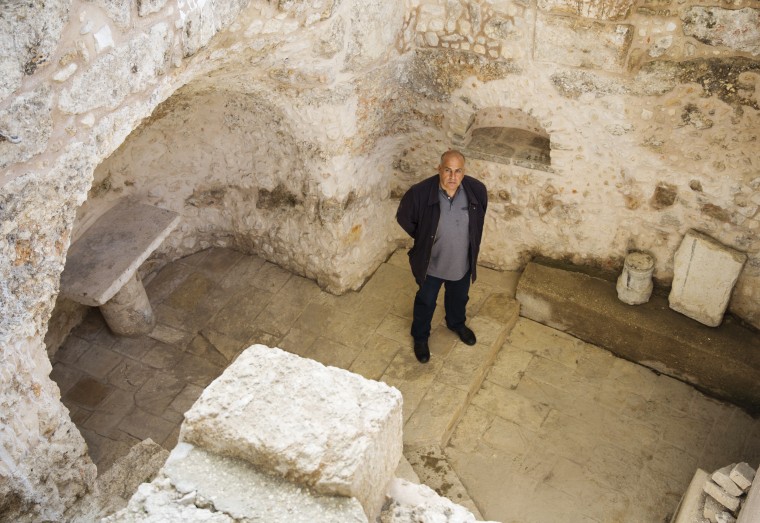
(507,136)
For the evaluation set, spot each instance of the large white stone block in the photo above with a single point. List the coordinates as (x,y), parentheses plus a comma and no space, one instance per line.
(320,426)
(704,274)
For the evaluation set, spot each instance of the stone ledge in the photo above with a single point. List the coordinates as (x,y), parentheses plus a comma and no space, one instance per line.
(650,334)
(323,427)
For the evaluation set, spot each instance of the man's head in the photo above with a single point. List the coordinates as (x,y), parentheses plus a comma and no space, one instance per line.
(451,171)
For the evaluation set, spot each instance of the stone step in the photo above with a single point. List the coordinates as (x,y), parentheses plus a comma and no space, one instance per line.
(723,361)
(432,467)
(436,394)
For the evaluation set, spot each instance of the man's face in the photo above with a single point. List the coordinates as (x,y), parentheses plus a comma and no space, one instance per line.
(451,172)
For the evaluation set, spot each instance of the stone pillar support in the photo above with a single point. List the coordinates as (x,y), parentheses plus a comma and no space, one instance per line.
(129,312)
(634,286)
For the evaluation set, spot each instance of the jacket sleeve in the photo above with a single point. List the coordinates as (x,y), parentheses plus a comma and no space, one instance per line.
(406,215)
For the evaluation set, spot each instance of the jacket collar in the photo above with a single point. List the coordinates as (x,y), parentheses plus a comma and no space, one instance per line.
(433,196)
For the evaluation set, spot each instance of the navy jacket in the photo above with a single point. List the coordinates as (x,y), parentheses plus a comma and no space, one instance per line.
(418,215)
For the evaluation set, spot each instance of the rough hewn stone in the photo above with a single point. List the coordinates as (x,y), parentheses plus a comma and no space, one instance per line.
(119,73)
(737,29)
(582,43)
(598,9)
(197,485)
(29,118)
(705,272)
(346,448)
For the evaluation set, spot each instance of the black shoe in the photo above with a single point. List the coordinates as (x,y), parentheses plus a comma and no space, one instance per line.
(465,334)
(422,351)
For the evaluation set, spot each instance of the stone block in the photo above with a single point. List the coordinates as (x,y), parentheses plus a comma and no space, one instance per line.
(712,508)
(582,43)
(721,477)
(614,10)
(688,510)
(751,507)
(742,474)
(720,495)
(340,435)
(196,485)
(704,274)
(410,502)
(733,28)
(650,334)
(725,517)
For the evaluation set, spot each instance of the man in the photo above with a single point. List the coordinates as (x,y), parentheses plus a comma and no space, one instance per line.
(444,214)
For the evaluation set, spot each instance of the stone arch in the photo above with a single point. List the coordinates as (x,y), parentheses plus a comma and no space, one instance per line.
(507,135)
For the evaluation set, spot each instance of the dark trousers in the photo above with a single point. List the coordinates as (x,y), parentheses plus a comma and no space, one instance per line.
(454,300)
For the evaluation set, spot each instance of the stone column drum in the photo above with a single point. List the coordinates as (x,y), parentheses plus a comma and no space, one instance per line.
(129,312)
(634,286)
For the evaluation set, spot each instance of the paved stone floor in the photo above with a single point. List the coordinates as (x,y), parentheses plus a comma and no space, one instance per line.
(530,425)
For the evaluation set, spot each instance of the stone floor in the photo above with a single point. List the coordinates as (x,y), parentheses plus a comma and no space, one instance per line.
(530,425)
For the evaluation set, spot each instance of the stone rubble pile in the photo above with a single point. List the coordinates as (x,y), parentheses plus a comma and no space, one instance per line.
(724,494)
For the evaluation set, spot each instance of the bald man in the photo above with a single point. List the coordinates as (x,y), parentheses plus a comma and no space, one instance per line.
(444,214)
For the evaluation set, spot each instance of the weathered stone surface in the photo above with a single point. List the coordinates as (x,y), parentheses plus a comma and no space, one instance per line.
(202,20)
(120,11)
(650,334)
(751,506)
(348,447)
(634,286)
(704,275)
(574,83)
(721,477)
(197,485)
(690,507)
(374,28)
(410,502)
(742,474)
(147,7)
(29,119)
(115,487)
(117,74)
(737,29)
(29,33)
(598,9)
(721,496)
(582,43)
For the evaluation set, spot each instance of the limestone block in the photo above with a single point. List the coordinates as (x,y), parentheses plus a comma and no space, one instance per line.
(341,434)
(721,477)
(29,119)
(712,508)
(738,29)
(375,26)
(196,484)
(202,20)
(411,502)
(725,517)
(690,506)
(582,43)
(704,274)
(29,34)
(615,10)
(720,495)
(146,7)
(751,507)
(120,11)
(634,286)
(742,474)
(120,72)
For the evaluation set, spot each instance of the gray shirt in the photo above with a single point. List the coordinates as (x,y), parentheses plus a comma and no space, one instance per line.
(449,259)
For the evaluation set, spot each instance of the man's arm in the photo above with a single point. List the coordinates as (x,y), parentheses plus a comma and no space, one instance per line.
(406,215)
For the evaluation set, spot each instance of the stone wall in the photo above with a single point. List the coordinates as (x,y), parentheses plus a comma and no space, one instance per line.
(652,113)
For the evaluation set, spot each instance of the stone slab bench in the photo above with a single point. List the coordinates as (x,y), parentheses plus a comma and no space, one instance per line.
(101,266)
(723,361)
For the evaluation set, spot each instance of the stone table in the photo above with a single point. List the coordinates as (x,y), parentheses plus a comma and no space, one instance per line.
(101,266)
